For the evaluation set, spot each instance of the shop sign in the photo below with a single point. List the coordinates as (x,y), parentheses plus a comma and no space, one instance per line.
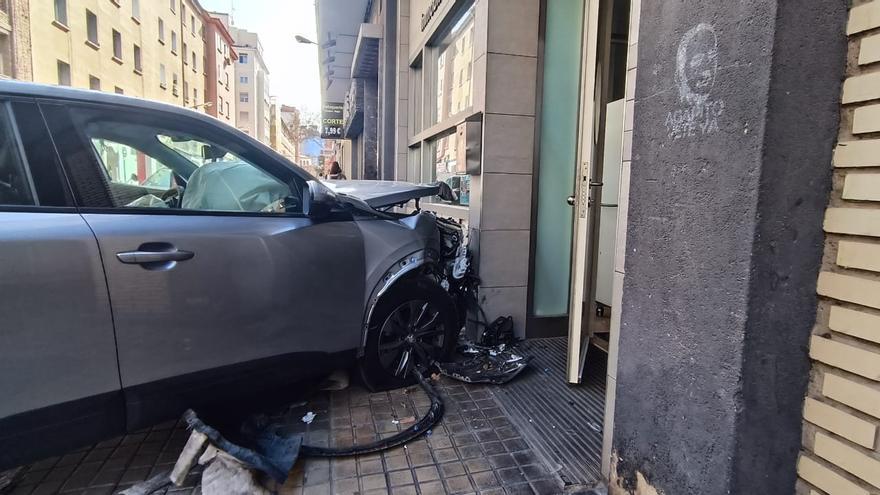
(429,13)
(332,121)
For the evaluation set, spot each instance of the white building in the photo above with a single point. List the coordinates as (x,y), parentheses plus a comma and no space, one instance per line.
(251,81)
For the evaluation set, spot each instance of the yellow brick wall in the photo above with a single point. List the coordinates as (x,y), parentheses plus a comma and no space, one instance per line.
(52,41)
(841,448)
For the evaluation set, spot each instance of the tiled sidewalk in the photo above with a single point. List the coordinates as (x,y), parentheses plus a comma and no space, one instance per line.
(474,449)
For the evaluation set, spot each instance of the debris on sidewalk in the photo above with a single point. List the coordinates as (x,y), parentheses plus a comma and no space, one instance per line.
(495,365)
(309,417)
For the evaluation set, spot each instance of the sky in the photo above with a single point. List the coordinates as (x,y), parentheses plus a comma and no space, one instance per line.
(293,67)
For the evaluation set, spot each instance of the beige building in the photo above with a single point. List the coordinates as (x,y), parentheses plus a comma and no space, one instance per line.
(281,138)
(151,49)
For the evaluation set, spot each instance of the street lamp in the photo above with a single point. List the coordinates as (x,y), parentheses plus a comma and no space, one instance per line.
(305,41)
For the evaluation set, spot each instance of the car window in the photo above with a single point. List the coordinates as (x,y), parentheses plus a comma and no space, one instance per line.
(16,187)
(150,166)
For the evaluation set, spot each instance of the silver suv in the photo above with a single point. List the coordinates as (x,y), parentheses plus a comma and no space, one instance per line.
(154,259)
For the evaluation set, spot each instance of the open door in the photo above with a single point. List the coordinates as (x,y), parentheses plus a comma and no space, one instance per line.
(587,193)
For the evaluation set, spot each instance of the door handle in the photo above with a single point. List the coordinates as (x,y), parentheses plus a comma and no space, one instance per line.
(570,200)
(141,257)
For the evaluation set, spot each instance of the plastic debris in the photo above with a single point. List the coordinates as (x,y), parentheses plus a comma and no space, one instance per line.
(309,417)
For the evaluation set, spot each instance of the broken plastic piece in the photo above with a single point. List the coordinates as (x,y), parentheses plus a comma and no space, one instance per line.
(309,417)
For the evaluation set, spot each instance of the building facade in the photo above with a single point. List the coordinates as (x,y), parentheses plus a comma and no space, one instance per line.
(147,49)
(281,136)
(252,114)
(220,59)
(629,181)
(15,40)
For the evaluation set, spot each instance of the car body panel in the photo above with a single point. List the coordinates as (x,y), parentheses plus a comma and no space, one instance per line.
(58,367)
(382,193)
(256,287)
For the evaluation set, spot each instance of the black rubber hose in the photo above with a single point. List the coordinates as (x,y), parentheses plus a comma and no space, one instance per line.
(434,414)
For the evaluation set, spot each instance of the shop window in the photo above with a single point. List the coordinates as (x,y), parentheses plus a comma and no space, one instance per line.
(452,82)
(444,166)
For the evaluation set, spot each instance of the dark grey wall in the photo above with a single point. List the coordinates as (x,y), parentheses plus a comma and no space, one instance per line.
(370,134)
(736,114)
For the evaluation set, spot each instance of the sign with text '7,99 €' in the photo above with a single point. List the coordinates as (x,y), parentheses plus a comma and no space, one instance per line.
(331,121)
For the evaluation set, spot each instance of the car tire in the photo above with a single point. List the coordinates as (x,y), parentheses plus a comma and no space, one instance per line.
(395,329)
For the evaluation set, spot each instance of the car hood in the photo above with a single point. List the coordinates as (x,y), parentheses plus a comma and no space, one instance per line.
(382,193)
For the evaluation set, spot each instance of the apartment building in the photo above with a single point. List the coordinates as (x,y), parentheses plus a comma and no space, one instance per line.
(220,66)
(251,81)
(281,136)
(149,49)
(15,40)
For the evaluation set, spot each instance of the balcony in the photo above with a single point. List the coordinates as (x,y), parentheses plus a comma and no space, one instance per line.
(366,51)
(353,110)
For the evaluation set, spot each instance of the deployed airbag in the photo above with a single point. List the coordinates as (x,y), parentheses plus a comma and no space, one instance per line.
(232,186)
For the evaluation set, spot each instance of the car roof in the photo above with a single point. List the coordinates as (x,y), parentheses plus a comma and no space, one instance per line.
(47,91)
(35,90)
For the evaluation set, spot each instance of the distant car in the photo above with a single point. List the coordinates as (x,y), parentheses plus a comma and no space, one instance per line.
(154,259)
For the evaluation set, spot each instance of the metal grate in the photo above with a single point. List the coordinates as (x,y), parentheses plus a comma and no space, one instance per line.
(562,421)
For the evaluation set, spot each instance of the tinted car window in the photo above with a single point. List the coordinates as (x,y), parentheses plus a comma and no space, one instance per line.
(157,161)
(15,183)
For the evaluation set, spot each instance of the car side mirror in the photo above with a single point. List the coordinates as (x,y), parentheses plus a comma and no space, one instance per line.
(318,200)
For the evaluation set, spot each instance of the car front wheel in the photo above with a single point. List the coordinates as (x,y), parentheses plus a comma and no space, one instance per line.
(414,322)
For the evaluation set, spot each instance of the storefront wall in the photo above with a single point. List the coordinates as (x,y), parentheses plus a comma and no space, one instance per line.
(500,67)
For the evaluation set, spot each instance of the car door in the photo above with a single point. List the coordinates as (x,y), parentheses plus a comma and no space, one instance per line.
(59,383)
(214,296)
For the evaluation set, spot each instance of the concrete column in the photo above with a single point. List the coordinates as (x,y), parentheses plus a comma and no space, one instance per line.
(505,88)
(736,113)
(370,134)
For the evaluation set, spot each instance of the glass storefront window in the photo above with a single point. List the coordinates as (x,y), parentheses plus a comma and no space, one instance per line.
(445,167)
(453,68)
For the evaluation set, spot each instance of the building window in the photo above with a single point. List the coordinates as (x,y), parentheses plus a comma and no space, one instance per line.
(172,4)
(192,25)
(227,108)
(5,55)
(63,73)
(163,82)
(186,91)
(194,61)
(195,96)
(161,31)
(174,42)
(183,14)
(94,83)
(92,28)
(185,59)
(117,45)
(243,97)
(243,58)
(138,67)
(243,79)
(136,9)
(226,79)
(61,12)
(220,106)
(118,90)
(452,54)
(174,84)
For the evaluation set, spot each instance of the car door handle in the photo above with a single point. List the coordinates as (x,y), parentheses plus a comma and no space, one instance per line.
(141,257)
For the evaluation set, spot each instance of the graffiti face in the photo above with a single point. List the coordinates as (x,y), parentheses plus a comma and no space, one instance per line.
(697,64)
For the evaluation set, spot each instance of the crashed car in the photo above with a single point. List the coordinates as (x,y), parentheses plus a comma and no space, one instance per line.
(125,300)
